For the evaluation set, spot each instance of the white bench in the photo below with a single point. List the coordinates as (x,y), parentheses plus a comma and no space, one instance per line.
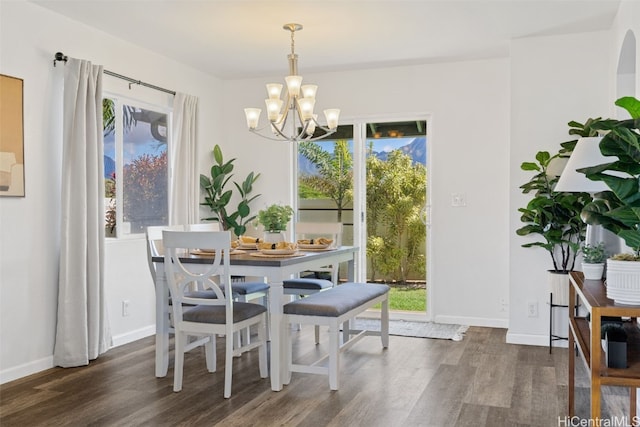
(332,308)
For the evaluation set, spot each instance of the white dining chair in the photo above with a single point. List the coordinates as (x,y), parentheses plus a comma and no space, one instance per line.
(243,291)
(209,317)
(155,249)
(302,286)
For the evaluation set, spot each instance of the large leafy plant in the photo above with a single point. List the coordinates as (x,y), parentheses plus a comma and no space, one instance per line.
(618,210)
(553,216)
(217,196)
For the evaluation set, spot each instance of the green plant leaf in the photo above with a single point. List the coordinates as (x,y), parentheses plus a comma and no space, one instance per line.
(225,198)
(529,166)
(543,157)
(243,209)
(631,104)
(217,154)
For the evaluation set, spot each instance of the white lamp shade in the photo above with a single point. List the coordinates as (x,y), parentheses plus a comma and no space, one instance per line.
(273,108)
(293,85)
(274,90)
(332,115)
(309,91)
(306,108)
(585,154)
(253,116)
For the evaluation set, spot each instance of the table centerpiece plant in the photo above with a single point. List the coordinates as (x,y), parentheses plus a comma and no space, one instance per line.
(274,219)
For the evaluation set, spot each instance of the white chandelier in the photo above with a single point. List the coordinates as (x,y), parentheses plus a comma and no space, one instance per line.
(297,113)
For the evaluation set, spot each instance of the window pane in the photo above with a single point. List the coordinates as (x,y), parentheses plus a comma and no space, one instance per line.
(144,169)
(396,188)
(109,119)
(325,181)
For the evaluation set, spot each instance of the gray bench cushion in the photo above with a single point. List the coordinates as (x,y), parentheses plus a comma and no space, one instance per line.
(307,283)
(336,301)
(216,313)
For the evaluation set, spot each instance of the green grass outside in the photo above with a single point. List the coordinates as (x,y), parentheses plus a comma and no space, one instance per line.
(407,299)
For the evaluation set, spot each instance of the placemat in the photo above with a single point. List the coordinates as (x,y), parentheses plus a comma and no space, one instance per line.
(260,254)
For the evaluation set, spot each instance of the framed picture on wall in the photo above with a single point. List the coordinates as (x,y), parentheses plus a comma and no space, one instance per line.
(11,137)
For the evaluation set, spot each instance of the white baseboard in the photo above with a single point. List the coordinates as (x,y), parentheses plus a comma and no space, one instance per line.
(473,321)
(27,369)
(539,340)
(132,336)
(43,364)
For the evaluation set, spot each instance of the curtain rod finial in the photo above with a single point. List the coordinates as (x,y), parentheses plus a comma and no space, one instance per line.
(59,57)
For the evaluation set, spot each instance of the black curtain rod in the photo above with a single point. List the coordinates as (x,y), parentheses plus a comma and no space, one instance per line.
(62,57)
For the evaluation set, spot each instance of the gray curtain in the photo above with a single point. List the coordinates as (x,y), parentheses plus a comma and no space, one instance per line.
(82,331)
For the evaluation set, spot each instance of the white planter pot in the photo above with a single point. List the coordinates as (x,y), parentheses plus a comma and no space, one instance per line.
(273,236)
(623,281)
(592,271)
(559,287)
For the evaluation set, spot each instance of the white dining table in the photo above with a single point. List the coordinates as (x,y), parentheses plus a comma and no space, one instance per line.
(276,270)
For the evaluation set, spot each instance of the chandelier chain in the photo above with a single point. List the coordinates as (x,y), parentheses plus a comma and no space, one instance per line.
(293,43)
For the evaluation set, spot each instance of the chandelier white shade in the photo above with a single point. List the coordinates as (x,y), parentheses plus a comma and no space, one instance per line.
(292,118)
(585,154)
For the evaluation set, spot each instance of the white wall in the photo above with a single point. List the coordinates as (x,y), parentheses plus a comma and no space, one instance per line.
(469,106)
(628,19)
(29,226)
(554,80)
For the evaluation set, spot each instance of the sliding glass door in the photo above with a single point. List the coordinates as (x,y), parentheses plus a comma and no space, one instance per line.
(372,177)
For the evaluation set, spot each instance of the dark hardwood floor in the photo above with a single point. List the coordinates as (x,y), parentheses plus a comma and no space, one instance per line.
(480,381)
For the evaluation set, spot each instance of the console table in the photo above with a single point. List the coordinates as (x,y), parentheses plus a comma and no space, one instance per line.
(592,295)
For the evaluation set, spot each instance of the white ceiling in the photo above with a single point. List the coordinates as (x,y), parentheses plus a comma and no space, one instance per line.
(238,38)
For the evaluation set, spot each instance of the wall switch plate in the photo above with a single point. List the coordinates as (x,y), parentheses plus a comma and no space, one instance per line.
(532,309)
(458,199)
(125,307)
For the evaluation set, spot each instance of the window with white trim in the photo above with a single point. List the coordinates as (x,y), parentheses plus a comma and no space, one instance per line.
(136,140)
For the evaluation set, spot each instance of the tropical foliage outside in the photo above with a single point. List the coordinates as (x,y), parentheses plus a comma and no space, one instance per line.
(335,173)
(144,178)
(396,194)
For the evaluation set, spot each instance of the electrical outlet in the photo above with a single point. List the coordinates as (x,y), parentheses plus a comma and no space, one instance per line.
(503,305)
(532,308)
(125,307)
